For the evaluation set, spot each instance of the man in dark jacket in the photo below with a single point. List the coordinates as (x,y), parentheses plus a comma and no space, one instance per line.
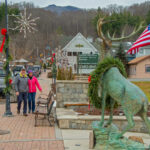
(21,87)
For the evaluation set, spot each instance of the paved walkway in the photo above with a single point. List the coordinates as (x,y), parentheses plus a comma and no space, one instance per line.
(23,135)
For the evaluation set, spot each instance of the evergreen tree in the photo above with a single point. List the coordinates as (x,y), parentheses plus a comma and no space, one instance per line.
(148,17)
(121,54)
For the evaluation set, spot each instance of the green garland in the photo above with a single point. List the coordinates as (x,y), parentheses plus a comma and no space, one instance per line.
(96,76)
(8,88)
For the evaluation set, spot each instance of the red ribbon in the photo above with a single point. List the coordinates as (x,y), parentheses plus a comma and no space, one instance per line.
(89,106)
(52,59)
(3,32)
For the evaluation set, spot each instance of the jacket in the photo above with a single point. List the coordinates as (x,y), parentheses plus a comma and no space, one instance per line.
(32,84)
(21,83)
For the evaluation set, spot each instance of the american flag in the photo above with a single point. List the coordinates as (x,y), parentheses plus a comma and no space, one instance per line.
(143,40)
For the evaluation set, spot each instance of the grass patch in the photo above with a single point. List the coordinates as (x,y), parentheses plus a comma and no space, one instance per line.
(145,87)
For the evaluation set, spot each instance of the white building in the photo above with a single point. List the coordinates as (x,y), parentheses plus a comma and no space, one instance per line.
(78,45)
(143,51)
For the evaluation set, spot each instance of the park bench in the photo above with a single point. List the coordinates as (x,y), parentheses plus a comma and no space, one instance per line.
(53,87)
(41,114)
(44,109)
(44,100)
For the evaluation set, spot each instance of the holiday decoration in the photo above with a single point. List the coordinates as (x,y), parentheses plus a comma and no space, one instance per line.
(53,54)
(5,43)
(52,59)
(25,24)
(89,106)
(89,79)
(3,32)
(10,81)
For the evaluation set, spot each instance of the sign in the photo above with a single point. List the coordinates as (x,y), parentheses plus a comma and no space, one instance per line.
(88,61)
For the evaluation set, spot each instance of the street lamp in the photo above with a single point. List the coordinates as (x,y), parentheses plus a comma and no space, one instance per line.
(7,111)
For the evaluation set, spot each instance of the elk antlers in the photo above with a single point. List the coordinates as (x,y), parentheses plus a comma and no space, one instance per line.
(135,31)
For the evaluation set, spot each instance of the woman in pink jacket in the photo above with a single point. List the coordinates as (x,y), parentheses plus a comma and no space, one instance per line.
(32,84)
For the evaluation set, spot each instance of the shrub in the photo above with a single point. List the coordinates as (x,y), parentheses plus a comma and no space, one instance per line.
(65,74)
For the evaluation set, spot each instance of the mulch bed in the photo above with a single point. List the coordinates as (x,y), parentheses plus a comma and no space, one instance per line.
(94,111)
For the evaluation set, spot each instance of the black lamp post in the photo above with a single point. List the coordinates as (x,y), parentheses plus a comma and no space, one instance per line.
(7,111)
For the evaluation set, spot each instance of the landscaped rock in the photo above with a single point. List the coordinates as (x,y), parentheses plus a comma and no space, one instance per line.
(136,139)
(91,140)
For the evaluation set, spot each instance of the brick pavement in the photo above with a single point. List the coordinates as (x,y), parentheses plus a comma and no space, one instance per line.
(23,135)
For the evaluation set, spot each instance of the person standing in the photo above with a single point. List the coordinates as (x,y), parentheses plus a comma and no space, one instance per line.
(44,66)
(32,84)
(54,72)
(21,87)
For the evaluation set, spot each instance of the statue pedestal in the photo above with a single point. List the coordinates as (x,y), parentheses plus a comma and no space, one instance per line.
(105,139)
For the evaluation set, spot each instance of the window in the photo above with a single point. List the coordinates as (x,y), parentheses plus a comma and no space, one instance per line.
(69,53)
(2,72)
(74,53)
(132,70)
(147,68)
(141,51)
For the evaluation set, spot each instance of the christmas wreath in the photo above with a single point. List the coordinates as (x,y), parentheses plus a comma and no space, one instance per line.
(96,76)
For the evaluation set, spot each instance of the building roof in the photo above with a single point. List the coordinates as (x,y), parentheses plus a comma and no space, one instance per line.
(21,60)
(138,59)
(79,38)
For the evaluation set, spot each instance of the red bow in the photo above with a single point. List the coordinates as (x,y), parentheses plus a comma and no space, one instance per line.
(10,81)
(53,54)
(89,79)
(3,32)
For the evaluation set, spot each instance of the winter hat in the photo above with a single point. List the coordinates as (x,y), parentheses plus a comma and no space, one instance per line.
(30,71)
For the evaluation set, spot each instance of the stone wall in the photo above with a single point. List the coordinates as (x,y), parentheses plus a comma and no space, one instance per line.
(68,119)
(71,92)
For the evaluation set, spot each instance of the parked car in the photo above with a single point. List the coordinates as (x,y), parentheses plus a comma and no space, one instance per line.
(37,68)
(35,71)
(13,97)
(16,70)
(2,80)
(1,64)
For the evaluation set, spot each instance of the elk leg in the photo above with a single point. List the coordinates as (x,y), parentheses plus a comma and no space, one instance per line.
(111,112)
(144,117)
(130,125)
(104,96)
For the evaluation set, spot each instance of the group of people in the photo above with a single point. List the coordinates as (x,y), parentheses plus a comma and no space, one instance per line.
(25,86)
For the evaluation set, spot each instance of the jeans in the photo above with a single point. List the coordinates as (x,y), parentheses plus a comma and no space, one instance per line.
(31,101)
(22,97)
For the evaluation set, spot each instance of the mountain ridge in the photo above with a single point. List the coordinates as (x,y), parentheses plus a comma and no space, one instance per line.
(61,9)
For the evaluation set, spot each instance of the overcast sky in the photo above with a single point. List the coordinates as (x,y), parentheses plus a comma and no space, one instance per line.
(80,3)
